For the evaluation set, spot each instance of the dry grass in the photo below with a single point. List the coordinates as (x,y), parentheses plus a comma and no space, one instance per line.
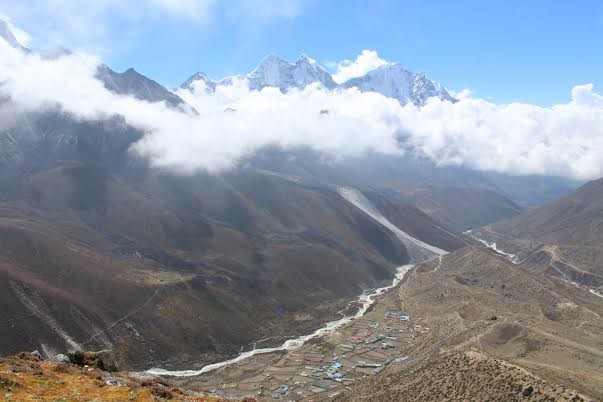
(546,335)
(23,378)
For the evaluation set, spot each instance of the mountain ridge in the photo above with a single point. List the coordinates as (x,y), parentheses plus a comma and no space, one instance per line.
(391,80)
(395,81)
(511,328)
(562,238)
(9,37)
(131,82)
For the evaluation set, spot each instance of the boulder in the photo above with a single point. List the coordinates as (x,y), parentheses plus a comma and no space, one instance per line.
(61,358)
(103,360)
(527,391)
(36,354)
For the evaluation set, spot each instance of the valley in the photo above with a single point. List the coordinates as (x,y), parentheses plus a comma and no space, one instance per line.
(562,239)
(297,232)
(318,370)
(480,311)
(418,251)
(470,312)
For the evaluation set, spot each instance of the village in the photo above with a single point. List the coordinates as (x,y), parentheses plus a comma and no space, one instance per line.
(321,370)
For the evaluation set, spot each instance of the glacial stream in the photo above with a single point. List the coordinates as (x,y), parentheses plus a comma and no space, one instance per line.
(492,246)
(419,252)
(365,299)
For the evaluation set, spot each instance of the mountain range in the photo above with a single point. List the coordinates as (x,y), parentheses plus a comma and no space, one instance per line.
(209,263)
(391,80)
(100,250)
(132,83)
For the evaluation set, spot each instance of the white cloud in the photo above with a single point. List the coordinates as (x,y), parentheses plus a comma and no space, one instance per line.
(565,139)
(366,61)
(91,24)
(584,95)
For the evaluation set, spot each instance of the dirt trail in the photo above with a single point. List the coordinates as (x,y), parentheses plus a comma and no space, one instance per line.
(131,313)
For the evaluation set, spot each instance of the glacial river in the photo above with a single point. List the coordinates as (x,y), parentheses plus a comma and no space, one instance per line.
(419,251)
(366,299)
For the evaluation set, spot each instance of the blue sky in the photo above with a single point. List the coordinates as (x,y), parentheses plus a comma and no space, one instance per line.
(529,51)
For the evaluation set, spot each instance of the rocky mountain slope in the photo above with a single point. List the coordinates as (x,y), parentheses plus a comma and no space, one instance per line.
(459,208)
(574,219)
(563,238)
(461,375)
(459,199)
(132,83)
(495,328)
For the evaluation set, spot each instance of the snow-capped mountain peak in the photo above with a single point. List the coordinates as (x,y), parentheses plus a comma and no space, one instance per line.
(271,72)
(304,58)
(306,70)
(274,71)
(199,76)
(391,79)
(394,81)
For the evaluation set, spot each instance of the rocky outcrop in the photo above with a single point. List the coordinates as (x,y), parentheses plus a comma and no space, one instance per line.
(103,360)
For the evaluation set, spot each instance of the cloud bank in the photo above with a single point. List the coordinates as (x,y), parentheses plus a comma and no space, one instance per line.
(564,140)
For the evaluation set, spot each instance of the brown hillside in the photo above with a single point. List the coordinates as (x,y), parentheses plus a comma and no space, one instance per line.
(495,329)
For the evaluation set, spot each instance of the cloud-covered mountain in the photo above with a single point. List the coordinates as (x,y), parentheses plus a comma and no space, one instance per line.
(473,133)
(8,36)
(197,78)
(391,80)
(274,71)
(394,81)
(131,82)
